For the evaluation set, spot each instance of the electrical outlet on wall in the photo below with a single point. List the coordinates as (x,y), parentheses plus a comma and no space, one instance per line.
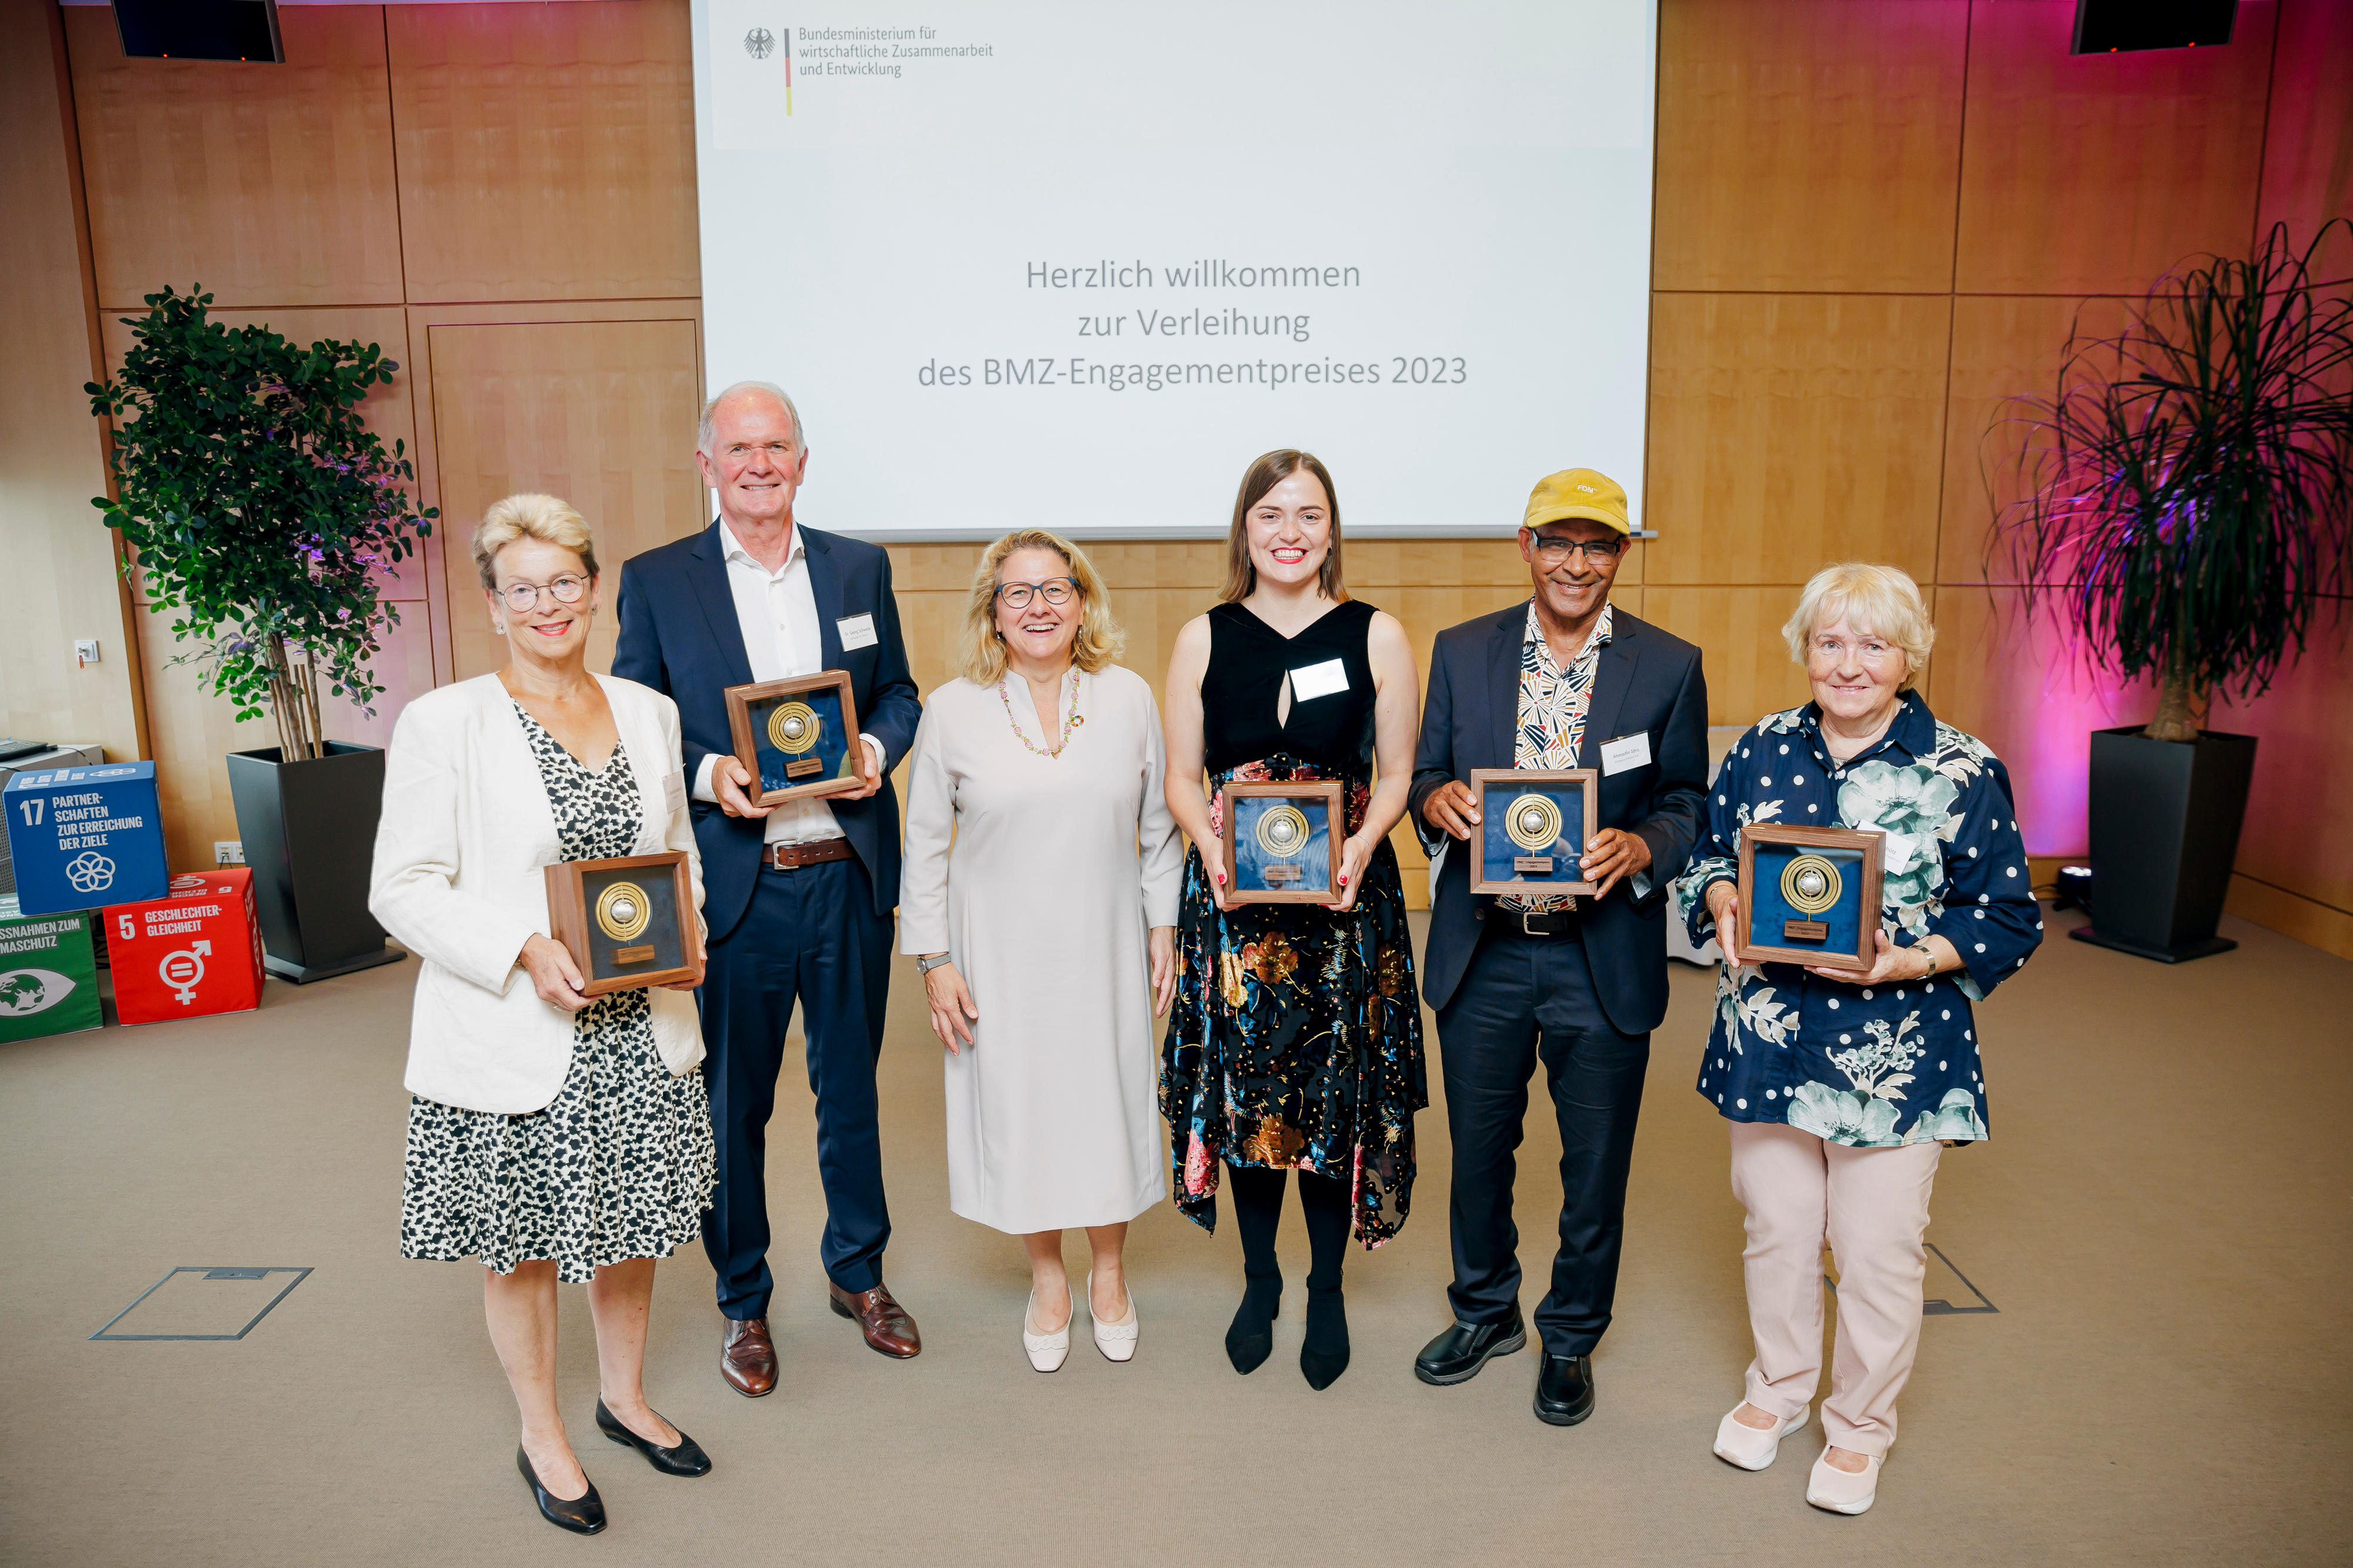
(228,852)
(85,651)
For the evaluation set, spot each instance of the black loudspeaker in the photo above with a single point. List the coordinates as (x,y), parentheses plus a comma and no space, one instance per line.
(2110,26)
(199,29)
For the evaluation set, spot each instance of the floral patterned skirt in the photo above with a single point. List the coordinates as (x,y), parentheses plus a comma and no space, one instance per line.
(1295,1040)
(619,1165)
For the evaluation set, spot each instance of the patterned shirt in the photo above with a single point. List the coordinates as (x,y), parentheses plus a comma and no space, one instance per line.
(1872,1066)
(1553,705)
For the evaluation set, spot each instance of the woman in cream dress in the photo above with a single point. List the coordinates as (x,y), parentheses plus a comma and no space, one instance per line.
(1040,897)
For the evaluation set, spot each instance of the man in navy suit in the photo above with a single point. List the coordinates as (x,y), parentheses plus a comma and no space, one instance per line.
(1577,982)
(798,896)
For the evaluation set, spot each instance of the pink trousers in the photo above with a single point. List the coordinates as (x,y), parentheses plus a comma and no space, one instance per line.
(1871,1206)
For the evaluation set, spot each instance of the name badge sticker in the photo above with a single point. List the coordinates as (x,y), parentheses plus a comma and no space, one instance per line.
(1319,680)
(1626,751)
(856,631)
(674,791)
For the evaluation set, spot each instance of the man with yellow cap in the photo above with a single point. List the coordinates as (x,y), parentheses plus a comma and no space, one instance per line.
(1577,982)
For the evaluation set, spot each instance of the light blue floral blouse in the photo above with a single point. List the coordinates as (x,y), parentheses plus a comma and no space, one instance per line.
(1875,1067)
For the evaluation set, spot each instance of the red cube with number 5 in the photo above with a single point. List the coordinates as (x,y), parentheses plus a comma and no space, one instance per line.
(195,951)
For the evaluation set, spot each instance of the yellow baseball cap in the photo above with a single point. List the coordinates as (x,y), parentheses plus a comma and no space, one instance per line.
(1578,493)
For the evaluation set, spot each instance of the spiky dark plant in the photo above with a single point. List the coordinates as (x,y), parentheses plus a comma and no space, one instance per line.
(2186,492)
(259,505)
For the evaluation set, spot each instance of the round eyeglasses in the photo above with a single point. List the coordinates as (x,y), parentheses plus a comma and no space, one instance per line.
(523,597)
(1057,591)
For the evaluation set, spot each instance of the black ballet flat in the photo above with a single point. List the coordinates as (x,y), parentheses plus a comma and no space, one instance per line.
(685,1458)
(583,1515)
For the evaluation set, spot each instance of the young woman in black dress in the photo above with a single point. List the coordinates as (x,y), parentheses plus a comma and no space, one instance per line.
(1295,1041)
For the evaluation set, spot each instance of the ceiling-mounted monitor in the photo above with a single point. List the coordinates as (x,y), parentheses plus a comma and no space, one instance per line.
(199,29)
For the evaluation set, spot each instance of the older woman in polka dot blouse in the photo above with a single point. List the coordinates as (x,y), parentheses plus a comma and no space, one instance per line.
(1844,1090)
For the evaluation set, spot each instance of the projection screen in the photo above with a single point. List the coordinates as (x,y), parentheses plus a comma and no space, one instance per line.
(1074,265)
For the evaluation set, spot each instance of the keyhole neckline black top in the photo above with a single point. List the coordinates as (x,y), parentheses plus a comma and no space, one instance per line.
(1243,689)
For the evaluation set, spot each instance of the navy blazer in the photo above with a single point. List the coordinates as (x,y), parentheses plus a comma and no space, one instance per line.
(679,635)
(1649,682)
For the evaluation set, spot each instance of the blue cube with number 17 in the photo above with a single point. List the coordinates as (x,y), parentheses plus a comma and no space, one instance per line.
(85,837)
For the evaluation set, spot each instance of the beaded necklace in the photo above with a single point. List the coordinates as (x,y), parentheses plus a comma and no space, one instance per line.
(1069,724)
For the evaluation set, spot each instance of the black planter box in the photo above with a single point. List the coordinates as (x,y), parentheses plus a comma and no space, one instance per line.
(2165,818)
(310,834)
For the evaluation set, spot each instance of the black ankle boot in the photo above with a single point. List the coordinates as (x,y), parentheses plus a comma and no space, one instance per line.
(1324,1354)
(1250,1340)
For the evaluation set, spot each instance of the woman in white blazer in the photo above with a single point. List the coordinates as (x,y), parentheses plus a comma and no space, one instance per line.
(553,1136)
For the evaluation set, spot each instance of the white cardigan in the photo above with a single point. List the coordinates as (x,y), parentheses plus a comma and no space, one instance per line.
(466,832)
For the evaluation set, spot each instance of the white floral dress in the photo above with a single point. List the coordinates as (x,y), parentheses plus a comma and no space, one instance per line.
(620,1164)
(1874,1067)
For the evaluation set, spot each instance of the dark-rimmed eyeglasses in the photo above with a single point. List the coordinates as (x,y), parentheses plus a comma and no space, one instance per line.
(523,597)
(1552,551)
(1058,590)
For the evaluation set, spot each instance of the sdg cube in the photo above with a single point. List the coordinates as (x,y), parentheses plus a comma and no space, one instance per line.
(85,837)
(195,951)
(48,973)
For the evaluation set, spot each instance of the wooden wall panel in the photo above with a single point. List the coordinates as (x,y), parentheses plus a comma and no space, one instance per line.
(60,582)
(2303,794)
(2308,140)
(2093,175)
(1738,630)
(1787,431)
(1809,146)
(194,732)
(546,152)
(600,412)
(2004,345)
(2017,685)
(269,185)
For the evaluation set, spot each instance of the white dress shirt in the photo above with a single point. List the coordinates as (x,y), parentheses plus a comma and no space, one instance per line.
(777,612)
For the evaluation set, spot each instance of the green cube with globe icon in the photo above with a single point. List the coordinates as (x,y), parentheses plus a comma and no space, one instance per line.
(48,973)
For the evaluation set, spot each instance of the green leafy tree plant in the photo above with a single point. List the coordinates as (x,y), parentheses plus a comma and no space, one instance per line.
(2186,492)
(258,505)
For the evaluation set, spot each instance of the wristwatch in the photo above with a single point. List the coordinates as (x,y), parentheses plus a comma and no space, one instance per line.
(925,965)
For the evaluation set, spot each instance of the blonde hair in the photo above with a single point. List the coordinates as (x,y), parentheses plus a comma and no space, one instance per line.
(548,518)
(981,649)
(1882,600)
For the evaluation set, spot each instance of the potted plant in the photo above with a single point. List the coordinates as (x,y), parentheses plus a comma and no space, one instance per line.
(2186,512)
(258,507)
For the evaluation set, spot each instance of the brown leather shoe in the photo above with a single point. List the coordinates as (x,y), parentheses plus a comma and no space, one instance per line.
(747,1358)
(883,1321)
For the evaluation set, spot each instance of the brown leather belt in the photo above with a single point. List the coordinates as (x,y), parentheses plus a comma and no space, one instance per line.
(792,856)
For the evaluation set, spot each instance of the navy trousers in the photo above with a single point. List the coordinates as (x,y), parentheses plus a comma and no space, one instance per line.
(1525,1000)
(810,935)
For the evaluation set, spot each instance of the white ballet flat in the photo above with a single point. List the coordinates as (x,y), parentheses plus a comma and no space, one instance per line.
(1047,1351)
(1116,1341)
(1843,1491)
(1755,1447)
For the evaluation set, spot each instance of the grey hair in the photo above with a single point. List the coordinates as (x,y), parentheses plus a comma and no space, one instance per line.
(703,431)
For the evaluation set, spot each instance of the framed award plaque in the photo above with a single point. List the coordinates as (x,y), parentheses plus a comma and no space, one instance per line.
(1534,826)
(1282,842)
(796,737)
(627,921)
(1810,894)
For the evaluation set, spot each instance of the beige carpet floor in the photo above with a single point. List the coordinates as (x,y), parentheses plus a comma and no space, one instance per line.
(2162,1221)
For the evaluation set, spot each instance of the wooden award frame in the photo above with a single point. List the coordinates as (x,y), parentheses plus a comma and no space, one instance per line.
(740,701)
(1335,817)
(1871,846)
(1519,778)
(568,918)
